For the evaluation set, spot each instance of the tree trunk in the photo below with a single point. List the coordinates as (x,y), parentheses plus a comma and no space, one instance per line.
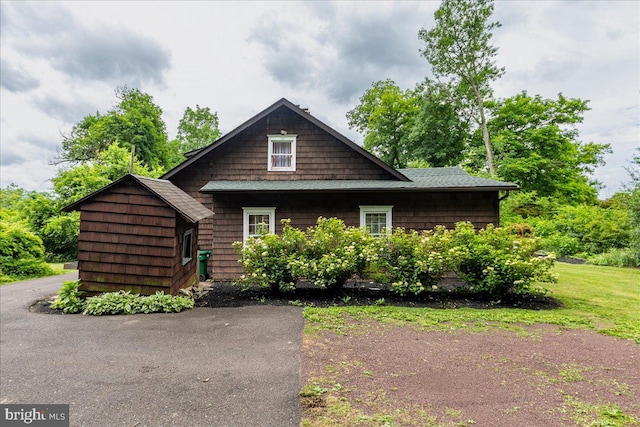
(485,132)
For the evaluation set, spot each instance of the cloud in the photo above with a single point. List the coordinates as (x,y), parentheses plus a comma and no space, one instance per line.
(16,79)
(70,111)
(103,53)
(342,50)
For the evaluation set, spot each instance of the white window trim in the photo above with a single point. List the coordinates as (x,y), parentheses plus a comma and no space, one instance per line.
(186,260)
(257,211)
(364,210)
(281,138)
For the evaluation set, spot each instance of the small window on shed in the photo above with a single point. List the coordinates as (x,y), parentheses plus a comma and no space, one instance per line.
(187,246)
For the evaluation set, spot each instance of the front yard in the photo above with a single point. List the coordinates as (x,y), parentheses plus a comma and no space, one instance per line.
(576,365)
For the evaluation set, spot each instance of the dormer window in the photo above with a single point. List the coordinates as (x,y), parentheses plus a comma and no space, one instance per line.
(282,153)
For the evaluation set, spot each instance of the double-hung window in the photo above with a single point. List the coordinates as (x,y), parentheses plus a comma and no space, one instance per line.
(376,219)
(282,153)
(257,221)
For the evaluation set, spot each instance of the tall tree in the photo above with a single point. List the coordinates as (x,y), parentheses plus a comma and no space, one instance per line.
(439,134)
(537,146)
(75,182)
(459,50)
(197,128)
(135,120)
(385,117)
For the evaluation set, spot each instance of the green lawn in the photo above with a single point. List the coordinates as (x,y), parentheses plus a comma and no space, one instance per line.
(58,268)
(605,299)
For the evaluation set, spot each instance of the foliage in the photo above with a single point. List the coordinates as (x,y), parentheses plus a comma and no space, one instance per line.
(459,50)
(125,302)
(385,116)
(494,262)
(73,183)
(21,253)
(572,230)
(60,237)
(134,121)
(626,257)
(334,253)
(267,259)
(413,262)
(197,128)
(69,298)
(491,261)
(536,146)
(439,134)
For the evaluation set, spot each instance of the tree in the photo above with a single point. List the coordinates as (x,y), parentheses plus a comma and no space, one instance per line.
(438,134)
(73,183)
(135,120)
(459,51)
(197,128)
(385,117)
(537,146)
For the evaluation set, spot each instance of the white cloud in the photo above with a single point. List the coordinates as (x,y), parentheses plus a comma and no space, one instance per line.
(64,61)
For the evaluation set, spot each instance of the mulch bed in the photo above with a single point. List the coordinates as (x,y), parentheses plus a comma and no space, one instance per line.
(224,294)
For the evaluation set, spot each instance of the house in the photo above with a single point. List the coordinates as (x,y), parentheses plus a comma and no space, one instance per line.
(285,163)
(138,234)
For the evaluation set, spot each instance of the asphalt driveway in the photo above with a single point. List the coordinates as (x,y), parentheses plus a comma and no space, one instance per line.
(202,367)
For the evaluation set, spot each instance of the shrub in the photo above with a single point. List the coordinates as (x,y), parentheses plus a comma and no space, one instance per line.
(124,302)
(268,259)
(69,298)
(333,253)
(627,257)
(21,253)
(494,262)
(413,262)
(60,237)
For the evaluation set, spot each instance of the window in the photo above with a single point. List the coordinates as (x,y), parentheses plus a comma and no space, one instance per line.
(376,219)
(187,246)
(258,221)
(282,153)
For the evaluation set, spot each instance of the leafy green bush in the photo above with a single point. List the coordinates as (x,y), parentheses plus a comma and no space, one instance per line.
(268,259)
(627,257)
(124,302)
(494,262)
(333,253)
(21,253)
(69,298)
(413,262)
(60,237)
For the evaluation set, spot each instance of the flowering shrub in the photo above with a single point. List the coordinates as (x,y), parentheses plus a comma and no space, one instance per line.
(491,261)
(268,259)
(334,253)
(494,262)
(412,262)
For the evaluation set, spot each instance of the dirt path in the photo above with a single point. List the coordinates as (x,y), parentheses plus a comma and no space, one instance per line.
(402,376)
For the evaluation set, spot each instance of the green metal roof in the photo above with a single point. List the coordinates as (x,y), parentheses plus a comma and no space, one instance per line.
(432,179)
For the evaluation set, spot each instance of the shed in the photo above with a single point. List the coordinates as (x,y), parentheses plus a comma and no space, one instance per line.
(138,234)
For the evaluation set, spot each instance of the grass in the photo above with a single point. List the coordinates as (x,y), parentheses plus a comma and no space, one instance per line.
(604,299)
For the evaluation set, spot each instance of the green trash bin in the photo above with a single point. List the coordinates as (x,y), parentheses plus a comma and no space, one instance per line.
(203,257)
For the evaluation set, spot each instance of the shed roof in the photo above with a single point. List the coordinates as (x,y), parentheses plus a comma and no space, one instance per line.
(432,179)
(189,208)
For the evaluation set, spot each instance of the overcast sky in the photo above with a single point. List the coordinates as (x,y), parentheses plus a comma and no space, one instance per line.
(62,61)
